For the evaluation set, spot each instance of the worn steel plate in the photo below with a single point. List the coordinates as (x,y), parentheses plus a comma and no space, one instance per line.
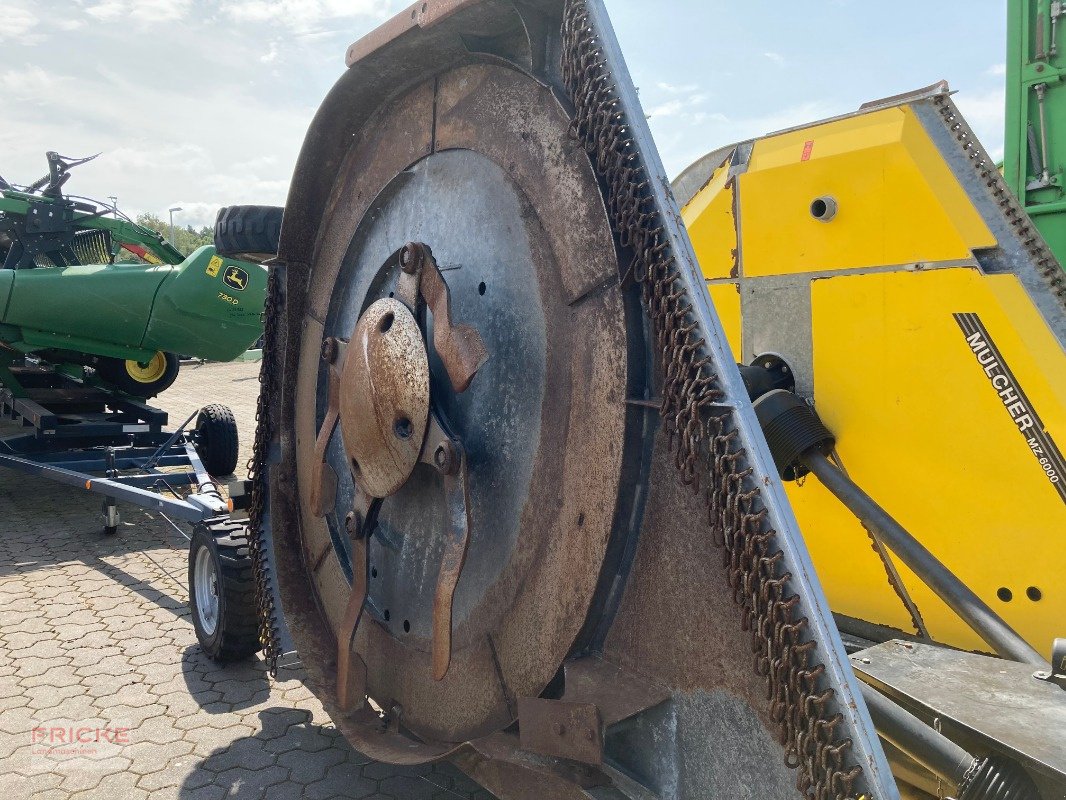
(995,703)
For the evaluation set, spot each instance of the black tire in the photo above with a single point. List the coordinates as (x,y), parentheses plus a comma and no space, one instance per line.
(122,374)
(248,232)
(217,441)
(226,624)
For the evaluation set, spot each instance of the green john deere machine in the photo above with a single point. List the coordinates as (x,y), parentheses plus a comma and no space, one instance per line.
(1035,142)
(66,301)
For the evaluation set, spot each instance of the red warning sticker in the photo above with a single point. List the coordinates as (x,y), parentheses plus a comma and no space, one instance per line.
(807,147)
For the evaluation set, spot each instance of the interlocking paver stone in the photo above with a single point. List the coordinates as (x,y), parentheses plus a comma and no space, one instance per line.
(96,630)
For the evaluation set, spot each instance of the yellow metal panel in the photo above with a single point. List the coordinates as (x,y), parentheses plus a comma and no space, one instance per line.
(709,218)
(922,428)
(898,202)
(726,299)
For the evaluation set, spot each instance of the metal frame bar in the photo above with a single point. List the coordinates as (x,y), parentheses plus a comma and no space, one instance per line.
(190,512)
(68,453)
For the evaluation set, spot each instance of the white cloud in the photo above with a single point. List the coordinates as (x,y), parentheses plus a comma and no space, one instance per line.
(667,109)
(670,88)
(20,23)
(777,58)
(984,111)
(997,69)
(271,54)
(680,102)
(144,12)
(31,84)
(304,16)
(145,157)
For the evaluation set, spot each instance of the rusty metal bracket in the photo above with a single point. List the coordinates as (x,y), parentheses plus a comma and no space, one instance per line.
(446,453)
(617,693)
(324,479)
(561,729)
(459,346)
(351,669)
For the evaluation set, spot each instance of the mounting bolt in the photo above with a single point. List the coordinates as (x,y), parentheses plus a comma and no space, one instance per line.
(410,257)
(329,349)
(350,523)
(444,458)
(590,735)
(558,729)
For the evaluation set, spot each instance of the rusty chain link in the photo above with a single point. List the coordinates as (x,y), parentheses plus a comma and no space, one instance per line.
(706,444)
(257,474)
(1023,226)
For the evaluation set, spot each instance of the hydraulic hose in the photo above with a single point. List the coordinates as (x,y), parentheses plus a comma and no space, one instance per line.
(972,778)
(932,750)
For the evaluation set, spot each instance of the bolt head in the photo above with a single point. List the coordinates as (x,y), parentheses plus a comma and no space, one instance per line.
(444,458)
(329,349)
(350,523)
(408,257)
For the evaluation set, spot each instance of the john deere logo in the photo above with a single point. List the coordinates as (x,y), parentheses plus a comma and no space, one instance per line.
(235,278)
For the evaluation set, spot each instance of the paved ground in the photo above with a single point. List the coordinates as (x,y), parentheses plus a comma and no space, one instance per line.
(96,645)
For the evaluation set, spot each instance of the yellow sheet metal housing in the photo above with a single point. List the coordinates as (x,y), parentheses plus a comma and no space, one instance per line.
(868,299)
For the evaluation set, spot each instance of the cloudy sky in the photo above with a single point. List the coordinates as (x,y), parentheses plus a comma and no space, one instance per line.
(204,103)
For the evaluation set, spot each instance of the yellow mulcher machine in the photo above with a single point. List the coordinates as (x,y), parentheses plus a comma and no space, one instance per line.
(878,262)
(519,506)
(879,257)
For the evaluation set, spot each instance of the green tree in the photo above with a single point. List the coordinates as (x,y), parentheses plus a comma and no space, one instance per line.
(186,239)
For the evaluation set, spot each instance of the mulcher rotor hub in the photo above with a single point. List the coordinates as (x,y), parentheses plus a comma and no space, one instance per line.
(381,397)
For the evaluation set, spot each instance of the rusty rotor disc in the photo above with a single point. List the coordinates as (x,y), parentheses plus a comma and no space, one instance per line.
(514,217)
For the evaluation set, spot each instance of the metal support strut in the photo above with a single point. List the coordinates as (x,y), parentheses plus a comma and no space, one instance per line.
(991,627)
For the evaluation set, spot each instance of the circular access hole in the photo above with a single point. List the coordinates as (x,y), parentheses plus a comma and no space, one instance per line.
(373,572)
(386,322)
(1033,593)
(823,208)
(407,626)
(403,428)
(581,519)
(387,615)
(481,288)
(1004,594)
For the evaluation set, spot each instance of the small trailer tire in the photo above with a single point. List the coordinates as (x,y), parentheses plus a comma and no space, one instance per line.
(222,591)
(217,441)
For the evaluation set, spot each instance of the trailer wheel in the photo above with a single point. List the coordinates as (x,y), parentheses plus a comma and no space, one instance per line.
(222,591)
(216,439)
(142,380)
(248,232)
